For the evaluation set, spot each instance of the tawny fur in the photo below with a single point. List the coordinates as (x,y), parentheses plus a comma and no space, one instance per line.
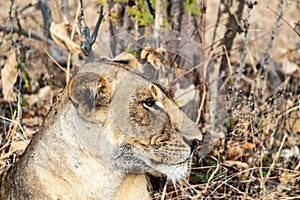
(108,127)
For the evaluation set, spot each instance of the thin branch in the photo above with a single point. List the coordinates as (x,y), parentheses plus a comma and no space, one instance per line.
(15,122)
(202,22)
(157,18)
(72,37)
(277,156)
(246,28)
(27,34)
(47,16)
(270,45)
(10,9)
(216,27)
(60,67)
(88,40)
(27,6)
(287,23)
(233,27)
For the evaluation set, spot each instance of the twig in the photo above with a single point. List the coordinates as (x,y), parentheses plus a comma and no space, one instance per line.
(88,40)
(72,36)
(15,122)
(287,23)
(231,29)
(10,9)
(24,33)
(27,6)
(228,179)
(60,67)
(277,156)
(203,22)
(228,59)
(239,46)
(163,195)
(157,18)
(274,31)
(18,20)
(215,29)
(289,110)
(47,16)
(236,189)
(211,177)
(201,106)
(246,28)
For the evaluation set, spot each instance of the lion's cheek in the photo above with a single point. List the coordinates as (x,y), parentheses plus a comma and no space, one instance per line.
(154,155)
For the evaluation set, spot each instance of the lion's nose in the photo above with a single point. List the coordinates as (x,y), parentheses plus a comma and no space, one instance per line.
(194,144)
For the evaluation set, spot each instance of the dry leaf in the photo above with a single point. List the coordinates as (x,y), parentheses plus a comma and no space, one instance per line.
(242,166)
(287,178)
(145,51)
(34,121)
(297,126)
(294,124)
(18,147)
(31,99)
(234,153)
(45,93)
(59,33)
(289,67)
(9,76)
(153,56)
(248,145)
(238,164)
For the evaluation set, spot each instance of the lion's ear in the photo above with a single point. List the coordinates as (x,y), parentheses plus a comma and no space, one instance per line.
(89,92)
(127,59)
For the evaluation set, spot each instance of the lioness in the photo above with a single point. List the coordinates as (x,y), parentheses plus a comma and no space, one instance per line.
(108,127)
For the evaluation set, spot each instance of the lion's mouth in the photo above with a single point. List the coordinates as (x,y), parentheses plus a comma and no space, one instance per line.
(182,162)
(154,162)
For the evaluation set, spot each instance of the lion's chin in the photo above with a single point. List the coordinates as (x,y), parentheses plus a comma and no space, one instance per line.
(174,172)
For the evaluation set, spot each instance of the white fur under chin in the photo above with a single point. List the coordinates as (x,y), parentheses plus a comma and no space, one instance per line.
(174,172)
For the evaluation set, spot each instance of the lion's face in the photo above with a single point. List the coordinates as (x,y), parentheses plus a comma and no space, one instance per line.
(160,136)
(144,129)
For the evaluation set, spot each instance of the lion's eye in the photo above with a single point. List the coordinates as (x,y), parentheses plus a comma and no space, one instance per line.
(149,102)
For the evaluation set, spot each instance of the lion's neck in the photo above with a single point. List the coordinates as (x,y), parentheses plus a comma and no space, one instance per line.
(62,155)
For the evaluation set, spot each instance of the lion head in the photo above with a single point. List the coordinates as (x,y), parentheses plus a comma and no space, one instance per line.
(138,126)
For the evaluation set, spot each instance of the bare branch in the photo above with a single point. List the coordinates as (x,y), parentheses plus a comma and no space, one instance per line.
(47,16)
(157,17)
(25,33)
(270,45)
(246,28)
(232,29)
(89,40)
